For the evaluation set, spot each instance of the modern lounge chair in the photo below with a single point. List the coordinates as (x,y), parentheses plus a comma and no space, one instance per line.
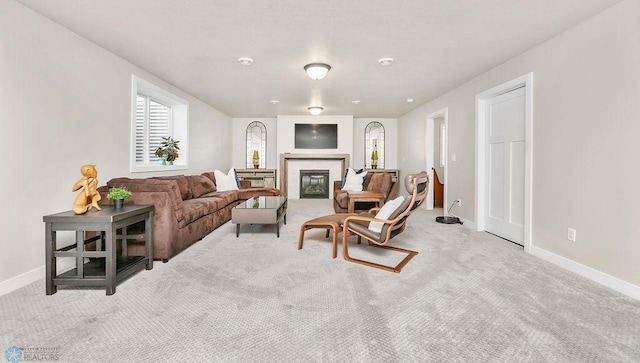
(417,186)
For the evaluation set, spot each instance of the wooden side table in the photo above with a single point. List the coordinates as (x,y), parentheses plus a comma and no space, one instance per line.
(105,267)
(364,196)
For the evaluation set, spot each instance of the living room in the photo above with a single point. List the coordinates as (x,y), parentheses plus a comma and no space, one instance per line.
(67,102)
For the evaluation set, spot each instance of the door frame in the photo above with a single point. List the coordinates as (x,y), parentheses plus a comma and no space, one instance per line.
(525,81)
(431,138)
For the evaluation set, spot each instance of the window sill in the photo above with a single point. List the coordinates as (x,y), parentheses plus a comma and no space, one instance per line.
(152,168)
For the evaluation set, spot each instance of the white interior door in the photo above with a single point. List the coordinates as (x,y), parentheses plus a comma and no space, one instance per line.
(505,173)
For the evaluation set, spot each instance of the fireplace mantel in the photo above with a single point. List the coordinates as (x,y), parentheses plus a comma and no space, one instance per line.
(284,169)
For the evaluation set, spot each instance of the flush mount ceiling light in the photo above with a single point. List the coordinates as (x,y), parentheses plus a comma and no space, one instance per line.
(385,61)
(245,61)
(315,110)
(274,102)
(356,102)
(317,71)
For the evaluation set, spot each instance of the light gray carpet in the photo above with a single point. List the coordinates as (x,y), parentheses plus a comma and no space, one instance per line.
(466,297)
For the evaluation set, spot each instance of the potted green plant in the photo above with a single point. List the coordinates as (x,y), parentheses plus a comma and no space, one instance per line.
(118,195)
(374,159)
(168,150)
(256,159)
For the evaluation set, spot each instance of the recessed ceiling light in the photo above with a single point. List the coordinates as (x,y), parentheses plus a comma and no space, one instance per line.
(356,102)
(315,110)
(385,61)
(245,61)
(409,100)
(274,102)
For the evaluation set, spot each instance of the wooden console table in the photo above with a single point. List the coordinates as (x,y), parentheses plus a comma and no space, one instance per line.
(258,177)
(105,268)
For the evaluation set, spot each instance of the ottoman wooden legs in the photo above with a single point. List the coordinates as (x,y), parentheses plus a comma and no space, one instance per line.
(330,222)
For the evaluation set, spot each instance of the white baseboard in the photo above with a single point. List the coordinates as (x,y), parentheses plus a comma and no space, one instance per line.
(600,277)
(469,224)
(32,276)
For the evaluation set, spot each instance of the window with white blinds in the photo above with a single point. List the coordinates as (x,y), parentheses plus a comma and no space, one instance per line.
(156,113)
(153,122)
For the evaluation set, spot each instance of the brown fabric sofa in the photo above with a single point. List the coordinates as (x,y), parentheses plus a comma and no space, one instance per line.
(187,208)
(379,182)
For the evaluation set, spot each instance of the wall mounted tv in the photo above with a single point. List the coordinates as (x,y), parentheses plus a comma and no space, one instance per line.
(316,136)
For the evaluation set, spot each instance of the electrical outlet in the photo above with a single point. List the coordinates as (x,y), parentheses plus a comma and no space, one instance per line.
(459,202)
(571,234)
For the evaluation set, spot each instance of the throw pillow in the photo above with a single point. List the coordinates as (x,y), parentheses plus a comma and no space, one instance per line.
(201,185)
(183,184)
(344,178)
(354,180)
(380,182)
(237,179)
(226,182)
(387,209)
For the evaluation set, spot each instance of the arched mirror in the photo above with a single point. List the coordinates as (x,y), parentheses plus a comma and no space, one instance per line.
(374,145)
(256,145)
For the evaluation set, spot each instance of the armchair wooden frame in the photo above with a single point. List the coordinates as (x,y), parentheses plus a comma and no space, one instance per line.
(417,185)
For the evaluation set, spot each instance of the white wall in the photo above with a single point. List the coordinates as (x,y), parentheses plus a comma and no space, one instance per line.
(66,102)
(585,131)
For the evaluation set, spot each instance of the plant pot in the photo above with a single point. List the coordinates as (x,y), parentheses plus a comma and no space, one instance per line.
(118,203)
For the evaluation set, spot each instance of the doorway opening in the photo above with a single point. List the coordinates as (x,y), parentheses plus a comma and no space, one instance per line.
(437,158)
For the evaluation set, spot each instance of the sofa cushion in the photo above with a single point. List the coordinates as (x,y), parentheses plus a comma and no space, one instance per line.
(211,175)
(153,185)
(256,192)
(199,207)
(184,184)
(380,182)
(228,197)
(201,185)
(342,198)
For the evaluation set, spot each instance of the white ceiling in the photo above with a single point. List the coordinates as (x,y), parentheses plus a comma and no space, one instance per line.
(437,45)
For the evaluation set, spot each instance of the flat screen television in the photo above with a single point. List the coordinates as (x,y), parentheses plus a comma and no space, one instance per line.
(316,136)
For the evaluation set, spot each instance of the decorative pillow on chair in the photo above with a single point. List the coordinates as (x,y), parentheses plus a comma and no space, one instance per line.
(354,180)
(387,209)
(226,182)
(344,177)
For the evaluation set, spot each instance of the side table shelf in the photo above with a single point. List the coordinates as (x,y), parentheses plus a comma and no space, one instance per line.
(104,268)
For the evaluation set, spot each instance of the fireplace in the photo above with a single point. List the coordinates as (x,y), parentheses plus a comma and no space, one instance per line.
(291,164)
(314,184)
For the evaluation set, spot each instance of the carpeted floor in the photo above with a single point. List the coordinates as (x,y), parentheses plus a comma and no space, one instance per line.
(466,297)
